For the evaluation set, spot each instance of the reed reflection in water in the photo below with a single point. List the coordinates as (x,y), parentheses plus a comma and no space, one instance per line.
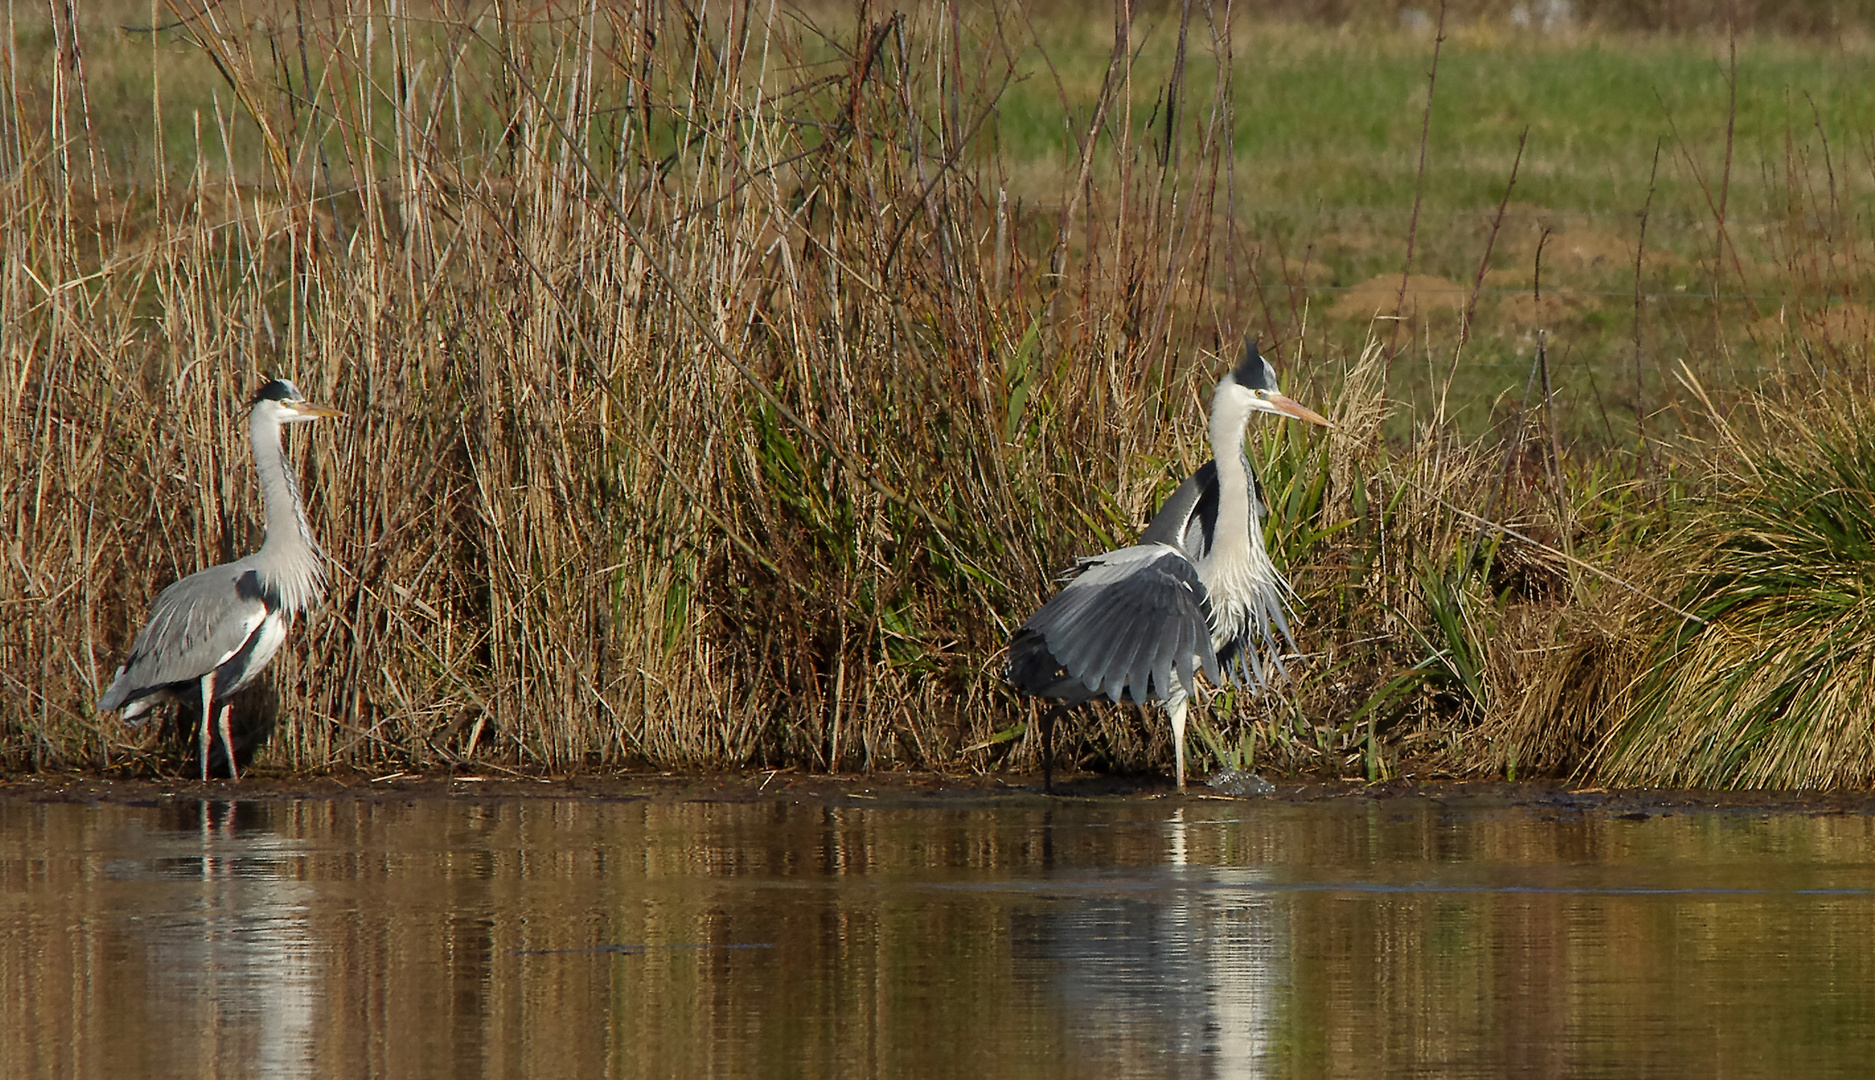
(915,936)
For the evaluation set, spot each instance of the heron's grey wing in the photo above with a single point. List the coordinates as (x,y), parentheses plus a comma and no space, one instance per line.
(1125,625)
(195,625)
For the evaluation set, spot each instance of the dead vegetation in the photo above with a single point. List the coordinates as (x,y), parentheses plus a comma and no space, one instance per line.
(712,403)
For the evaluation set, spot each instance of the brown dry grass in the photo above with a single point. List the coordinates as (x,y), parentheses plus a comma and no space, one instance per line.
(656,453)
(712,403)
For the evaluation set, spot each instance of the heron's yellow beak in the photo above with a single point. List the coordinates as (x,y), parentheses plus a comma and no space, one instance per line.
(1289,406)
(316,412)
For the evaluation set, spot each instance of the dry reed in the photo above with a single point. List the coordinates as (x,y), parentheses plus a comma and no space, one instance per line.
(704,408)
(712,404)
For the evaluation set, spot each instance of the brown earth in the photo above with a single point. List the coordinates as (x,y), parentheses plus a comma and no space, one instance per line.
(1380,296)
(902,789)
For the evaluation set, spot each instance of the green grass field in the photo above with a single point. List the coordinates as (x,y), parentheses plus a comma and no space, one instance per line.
(1326,139)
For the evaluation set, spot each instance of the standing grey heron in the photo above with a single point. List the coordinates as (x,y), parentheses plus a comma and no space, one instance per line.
(213,631)
(1197,592)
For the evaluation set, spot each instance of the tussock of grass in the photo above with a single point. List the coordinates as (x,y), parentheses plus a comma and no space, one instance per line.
(1570,697)
(1774,687)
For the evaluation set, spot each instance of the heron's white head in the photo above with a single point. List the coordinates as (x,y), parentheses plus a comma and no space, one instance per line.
(284,404)
(1251,385)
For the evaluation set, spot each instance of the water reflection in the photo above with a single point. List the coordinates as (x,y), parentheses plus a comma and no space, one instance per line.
(582,937)
(237,965)
(193,934)
(1188,969)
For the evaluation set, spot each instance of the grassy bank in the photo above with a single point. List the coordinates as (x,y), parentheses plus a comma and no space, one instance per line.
(725,383)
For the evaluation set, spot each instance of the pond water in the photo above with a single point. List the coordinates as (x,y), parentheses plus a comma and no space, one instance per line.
(946,936)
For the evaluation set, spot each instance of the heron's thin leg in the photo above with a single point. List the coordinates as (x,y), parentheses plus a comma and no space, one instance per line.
(1175,703)
(1048,757)
(227,741)
(208,711)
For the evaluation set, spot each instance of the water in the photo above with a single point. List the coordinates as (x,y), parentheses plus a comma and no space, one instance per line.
(930,936)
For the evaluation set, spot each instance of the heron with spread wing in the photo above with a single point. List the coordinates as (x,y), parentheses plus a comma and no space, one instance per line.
(1197,593)
(212,632)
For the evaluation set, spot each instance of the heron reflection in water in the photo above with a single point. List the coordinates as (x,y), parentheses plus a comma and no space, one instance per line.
(212,632)
(1197,592)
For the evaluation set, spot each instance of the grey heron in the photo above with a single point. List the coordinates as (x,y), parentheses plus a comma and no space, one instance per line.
(1197,592)
(212,632)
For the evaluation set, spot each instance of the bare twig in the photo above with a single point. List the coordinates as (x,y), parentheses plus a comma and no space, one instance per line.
(1640,312)
(1419,189)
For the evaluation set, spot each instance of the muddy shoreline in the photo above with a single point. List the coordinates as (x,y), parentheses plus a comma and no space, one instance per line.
(905,789)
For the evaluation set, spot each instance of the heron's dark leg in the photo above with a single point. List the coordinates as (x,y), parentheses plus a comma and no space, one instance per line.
(227,741)
(1048,746)
(1048,757)
(201,730)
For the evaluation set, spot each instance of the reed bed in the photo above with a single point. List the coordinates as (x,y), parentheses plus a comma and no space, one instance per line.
(696,416)
(713,402)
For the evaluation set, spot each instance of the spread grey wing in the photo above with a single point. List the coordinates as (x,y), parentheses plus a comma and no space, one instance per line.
(195,625)
(1123,625)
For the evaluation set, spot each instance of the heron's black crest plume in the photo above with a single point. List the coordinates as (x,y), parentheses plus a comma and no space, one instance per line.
(1253,372)
(277,390)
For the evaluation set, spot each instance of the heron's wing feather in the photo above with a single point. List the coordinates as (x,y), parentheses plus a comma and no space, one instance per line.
(1072,650)
(195,625)
(1115,671)
(1123,626)
(1121,605)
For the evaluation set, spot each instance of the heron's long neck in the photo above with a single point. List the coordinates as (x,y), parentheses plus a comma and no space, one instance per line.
(290,554)
(1236,523)
(1245,588)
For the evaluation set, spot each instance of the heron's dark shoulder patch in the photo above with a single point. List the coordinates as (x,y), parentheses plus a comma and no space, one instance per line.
(250,587)
(1206,510)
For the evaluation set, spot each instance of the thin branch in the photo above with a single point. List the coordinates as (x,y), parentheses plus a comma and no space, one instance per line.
(1419,190)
